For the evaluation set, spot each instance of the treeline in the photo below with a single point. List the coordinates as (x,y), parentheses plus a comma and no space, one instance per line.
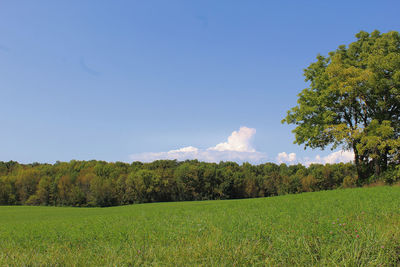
(98,183)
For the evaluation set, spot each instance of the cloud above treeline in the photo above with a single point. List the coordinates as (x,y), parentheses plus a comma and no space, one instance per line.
(334,157)
(238,147)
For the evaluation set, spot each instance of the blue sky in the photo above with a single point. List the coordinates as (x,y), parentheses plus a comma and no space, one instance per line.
(115,80)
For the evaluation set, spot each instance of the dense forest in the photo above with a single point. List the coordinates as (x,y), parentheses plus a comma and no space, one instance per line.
(98,183)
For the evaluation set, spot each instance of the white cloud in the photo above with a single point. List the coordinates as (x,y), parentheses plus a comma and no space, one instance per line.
(334,157)
(237,148)
(284,157)
(238,141)
(188,149)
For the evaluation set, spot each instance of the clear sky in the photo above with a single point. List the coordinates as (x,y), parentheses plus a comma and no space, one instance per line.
(115,80)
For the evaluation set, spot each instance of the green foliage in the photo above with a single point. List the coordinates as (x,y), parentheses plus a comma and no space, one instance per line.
(94,183)
(354,101)
(7,191)
(26,183)
(352,227)
(98,183)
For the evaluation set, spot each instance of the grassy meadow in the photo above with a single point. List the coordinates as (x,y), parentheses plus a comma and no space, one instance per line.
(341,227)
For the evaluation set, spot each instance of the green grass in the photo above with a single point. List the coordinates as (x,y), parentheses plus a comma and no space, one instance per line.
(343,227)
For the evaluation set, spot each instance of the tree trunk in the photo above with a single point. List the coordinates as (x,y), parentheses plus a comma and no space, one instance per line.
(385,160)
(377,166)
(359,167)
(380,163)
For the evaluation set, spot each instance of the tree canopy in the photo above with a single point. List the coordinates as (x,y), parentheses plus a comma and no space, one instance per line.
(98,183)
(353,102)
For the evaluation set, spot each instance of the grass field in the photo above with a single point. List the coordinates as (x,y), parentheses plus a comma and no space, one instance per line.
(343,227)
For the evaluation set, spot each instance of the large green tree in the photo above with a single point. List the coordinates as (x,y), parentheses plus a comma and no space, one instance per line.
(353,102)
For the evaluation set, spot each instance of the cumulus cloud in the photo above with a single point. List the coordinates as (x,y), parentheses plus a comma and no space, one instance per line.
(238,141)
(334,157)
(238,148)
(284,157)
